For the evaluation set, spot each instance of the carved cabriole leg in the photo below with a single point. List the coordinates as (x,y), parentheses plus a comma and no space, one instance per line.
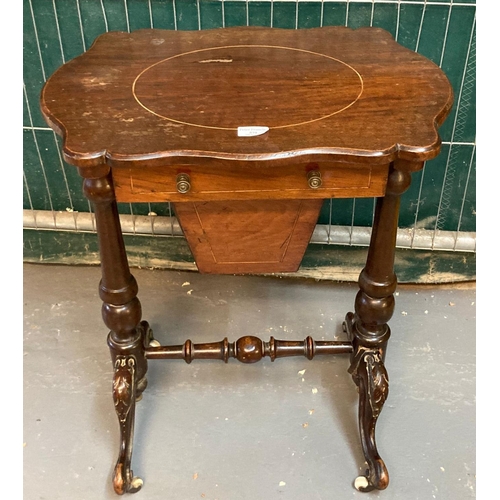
(121,312)
(368,328)
(124,396)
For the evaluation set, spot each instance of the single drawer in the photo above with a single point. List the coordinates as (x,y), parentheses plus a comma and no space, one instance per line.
(249,181)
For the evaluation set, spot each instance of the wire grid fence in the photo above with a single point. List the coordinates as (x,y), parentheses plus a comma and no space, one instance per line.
(437,212)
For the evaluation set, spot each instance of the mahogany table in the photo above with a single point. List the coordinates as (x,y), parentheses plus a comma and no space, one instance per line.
(247,131)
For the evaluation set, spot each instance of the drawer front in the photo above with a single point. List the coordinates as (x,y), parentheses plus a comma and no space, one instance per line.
(249,181)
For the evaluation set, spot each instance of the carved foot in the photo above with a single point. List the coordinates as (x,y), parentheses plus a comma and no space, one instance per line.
(125,482)
(369,374)
(124,396)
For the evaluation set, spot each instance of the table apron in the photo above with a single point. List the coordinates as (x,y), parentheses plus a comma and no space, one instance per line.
(249,182)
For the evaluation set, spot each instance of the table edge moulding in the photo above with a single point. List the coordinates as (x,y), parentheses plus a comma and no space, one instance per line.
(246,131)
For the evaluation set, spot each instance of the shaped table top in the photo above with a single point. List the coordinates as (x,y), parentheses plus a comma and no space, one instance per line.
(154,97)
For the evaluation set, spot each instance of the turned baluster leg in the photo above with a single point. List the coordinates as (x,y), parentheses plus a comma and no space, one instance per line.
(368,328)
(121,312)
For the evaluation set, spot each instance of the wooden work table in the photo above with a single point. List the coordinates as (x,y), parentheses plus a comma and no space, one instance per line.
(247,131)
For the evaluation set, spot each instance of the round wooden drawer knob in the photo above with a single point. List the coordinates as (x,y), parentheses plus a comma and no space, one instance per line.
(314,179)
(183,183)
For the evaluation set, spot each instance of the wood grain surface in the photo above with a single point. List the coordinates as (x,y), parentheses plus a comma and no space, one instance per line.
(241,237)
(250,181)
(158,97)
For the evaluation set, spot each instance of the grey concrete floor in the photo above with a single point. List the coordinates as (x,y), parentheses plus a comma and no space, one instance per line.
(282,430)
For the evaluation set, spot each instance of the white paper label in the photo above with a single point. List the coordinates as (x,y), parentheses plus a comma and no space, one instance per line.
(251,131)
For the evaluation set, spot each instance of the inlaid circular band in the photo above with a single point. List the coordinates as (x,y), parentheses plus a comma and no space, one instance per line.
(316,80)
